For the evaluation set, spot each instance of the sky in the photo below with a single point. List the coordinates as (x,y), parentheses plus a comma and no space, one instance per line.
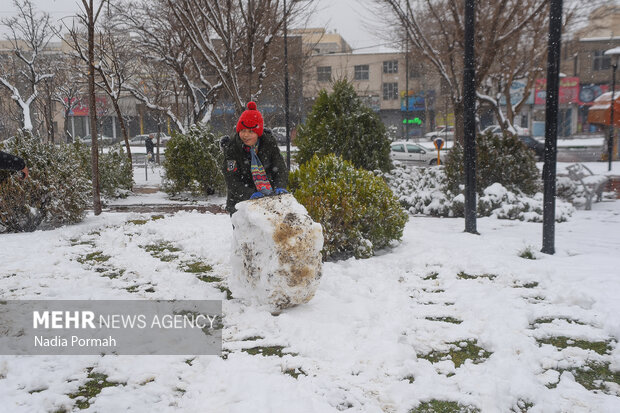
(353,19)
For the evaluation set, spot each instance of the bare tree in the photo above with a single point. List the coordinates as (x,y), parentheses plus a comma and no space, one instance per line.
(163,43)
(436,30)
(88,19)
(231,40)
(114,55)
(69,90)
(30,32)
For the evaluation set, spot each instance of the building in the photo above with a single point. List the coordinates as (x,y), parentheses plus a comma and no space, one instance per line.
(587,70)
(378,78)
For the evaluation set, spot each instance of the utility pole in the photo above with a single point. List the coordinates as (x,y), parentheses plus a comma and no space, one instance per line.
(407,87)
(469,85)
(286,92)
(551,125)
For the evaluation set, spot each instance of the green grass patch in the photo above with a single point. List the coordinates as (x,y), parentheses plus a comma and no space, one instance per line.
(189,361)
(532,284)
(157,217)
(409,378)
(132,288)
(296,372)
(593,376)
(443,406)
(527,253)
(548,320)
(267,351)
(439,290)
(137,221)
(149,290)
(197,267)
(464,276)
(445,319)
(253,338)
(162,250)
(459,352)
(90,389)
(209,279)
(562,342)
(431,276)
(224,289)
(93,258)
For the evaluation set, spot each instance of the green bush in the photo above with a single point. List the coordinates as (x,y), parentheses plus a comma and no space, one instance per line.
(499,159)
(57,192)
(192,163)
(341,124)
(115,174)
(357,210)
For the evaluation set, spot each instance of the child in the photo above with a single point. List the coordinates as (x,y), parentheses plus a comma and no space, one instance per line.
(253,166)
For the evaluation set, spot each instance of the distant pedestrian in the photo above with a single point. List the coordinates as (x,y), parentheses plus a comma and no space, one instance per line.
(13,163)
(150,148)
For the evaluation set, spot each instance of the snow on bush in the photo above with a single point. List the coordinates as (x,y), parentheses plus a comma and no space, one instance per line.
(57,191)
(357,210)
(192,163)
(424,191)
(115,174)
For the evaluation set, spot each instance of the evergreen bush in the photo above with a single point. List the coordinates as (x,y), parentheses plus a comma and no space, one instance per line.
(499,159)
(341,124)
(192,163)
(115,174)
(56,193)
(357,210)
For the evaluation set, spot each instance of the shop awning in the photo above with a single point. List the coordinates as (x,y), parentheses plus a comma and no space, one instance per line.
(600,111)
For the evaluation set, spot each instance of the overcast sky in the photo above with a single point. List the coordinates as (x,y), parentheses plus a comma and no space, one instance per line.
(351,18)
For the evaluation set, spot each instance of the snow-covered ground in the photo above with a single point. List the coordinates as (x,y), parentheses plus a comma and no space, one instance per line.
(375,338)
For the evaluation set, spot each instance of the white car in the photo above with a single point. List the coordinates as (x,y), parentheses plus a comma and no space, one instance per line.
(411,153)
(444,132)
(497,130)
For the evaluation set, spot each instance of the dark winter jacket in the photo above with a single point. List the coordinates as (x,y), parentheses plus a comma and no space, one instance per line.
(236,167)
(10,162)
(150,146)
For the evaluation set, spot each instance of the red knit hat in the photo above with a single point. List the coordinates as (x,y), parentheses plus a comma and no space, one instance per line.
(251,119)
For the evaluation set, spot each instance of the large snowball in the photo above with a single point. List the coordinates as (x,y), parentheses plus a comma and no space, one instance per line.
(276,252)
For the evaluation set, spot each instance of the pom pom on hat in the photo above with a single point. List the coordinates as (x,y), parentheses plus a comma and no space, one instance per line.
(251,119)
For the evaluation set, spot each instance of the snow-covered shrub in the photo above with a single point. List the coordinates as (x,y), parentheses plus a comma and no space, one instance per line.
(115,174)
(192,163)
(425,191)
(341,124)
(57,192)
(357,210)
(499,159)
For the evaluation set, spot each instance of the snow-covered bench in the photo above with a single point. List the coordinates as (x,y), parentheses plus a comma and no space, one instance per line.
(593,185)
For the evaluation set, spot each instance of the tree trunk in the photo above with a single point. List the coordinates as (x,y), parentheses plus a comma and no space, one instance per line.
(459,121)
(123,130)
(93,110)
(158,140)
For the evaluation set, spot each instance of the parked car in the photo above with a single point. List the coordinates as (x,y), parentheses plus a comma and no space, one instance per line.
(138,140)
(103,140)
(497,130)
(279,132)
(533,144)
(442,131)
(412,153)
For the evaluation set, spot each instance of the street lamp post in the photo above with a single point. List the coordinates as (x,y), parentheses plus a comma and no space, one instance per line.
(614,54)
(286,92)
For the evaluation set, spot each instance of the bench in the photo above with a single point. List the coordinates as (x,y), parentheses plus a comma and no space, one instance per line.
(593,185)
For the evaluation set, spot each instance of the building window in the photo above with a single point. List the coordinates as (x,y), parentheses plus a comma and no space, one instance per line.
(324,73)
(390,91)
(391,66)
(600,61)
(414,72)
(361,72)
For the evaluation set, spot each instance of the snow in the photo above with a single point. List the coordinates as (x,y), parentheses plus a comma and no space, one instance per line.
(277,252)
(366,330)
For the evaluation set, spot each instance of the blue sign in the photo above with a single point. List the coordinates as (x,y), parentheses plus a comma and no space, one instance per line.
(438,143)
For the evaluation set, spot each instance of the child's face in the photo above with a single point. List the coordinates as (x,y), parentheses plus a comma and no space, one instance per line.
(248,137)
